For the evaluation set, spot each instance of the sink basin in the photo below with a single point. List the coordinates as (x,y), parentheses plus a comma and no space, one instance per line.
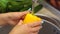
(49,28)
(50,25)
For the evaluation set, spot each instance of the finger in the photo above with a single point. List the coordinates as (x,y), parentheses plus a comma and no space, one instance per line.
(35,24)
(23,14)
(35,33)
(20,22)
(16,15)
(11,22)
(35,29)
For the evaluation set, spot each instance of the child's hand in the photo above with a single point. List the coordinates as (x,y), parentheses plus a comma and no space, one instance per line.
(32,28)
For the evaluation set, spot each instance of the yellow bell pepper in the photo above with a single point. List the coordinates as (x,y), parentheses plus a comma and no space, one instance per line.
(29,18)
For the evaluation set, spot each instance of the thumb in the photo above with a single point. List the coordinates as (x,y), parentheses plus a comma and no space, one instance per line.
(20,22)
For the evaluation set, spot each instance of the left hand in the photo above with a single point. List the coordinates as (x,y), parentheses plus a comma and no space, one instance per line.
(32,28)
(11,18)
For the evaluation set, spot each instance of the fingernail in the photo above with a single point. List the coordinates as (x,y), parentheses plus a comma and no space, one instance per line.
(20,22)
(42,21)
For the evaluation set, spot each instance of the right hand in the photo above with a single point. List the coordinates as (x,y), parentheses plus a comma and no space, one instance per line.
(32,28)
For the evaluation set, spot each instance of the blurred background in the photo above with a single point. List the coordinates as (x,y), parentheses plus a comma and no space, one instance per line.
(16,5)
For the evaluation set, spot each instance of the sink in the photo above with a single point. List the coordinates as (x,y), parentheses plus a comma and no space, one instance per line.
(50,26)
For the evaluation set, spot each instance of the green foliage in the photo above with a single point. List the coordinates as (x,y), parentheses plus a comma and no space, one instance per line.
(3,4)
(16,5)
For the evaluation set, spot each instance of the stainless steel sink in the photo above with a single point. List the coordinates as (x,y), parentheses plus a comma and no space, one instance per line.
(50,25)
(49,28)
(49,7)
